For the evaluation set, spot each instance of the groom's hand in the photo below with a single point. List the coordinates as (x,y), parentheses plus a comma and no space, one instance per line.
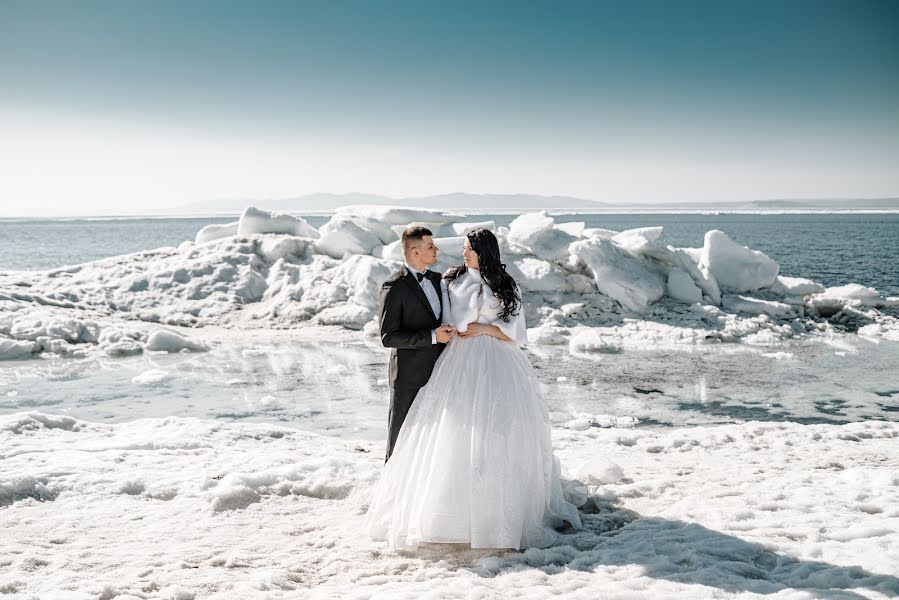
(445,333)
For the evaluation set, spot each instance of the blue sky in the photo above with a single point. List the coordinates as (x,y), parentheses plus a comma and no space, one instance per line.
(157,104)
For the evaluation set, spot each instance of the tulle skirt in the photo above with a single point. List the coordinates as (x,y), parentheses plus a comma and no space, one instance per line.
(473,463)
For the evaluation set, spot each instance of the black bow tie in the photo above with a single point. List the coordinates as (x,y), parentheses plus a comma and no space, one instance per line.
(419,276)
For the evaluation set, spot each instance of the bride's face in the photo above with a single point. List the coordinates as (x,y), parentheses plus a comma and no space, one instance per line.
(469,255)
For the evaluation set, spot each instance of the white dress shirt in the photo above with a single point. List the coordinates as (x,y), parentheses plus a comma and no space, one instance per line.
(431,293)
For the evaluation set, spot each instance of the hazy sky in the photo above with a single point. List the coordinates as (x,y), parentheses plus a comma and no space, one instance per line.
(127,105)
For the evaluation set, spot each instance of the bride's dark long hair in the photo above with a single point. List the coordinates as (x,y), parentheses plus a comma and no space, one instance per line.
(493,271)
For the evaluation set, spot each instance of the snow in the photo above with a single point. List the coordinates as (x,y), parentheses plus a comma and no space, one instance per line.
(205,509)
(736,268)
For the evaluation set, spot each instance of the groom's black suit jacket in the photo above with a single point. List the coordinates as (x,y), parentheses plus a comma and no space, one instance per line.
(406,321)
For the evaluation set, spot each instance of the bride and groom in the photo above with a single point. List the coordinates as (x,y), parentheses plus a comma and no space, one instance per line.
(469,452)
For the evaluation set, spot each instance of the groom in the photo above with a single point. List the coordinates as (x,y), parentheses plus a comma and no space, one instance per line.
(411,313)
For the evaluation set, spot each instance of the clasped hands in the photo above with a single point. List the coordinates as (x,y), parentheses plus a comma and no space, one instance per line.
(446,332)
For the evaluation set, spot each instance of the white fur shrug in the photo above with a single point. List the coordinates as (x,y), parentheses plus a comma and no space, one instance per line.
(469,300)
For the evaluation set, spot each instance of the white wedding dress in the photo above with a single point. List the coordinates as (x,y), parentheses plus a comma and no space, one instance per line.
(473,463)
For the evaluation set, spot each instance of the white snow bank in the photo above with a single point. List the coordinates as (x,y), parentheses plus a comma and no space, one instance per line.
(242,510)
(736,268)
(254,220)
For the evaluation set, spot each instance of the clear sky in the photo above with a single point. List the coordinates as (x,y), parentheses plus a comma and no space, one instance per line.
(130,105)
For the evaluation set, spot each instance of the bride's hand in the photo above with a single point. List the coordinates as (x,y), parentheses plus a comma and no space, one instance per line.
(474,330)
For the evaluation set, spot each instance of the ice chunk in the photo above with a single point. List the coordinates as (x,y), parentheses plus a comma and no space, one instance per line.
(381,229)
(349,315)
(736,268)
(342,236)
(701,275)
(682,288)
(16,349)
(599,470)
(537,275)
(637,239)
(392,251)
(466,227)
(437,229)
(548,334)
(254,220)
(275,248)
(619,276)
(166,340)
(854,293)
(150,377)
(526,229)
(756,306)
(795,286)
(575,228)
(449,252)
(888,330)
(599,232)
(536,233)
(362,277)
(216,231)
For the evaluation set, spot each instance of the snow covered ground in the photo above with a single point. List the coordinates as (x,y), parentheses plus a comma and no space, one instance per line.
(207,421)
(188,508)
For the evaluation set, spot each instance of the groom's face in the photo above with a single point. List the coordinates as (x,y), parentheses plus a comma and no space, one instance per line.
(426,250)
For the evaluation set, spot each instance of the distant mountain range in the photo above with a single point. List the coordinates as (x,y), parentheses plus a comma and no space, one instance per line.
(465,202)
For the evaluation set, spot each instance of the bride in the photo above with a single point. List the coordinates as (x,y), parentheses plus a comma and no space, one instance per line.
(473,462)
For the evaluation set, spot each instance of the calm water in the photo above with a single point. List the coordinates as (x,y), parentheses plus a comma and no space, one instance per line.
(830,248)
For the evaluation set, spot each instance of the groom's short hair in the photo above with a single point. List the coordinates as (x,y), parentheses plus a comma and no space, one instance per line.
(411,235)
